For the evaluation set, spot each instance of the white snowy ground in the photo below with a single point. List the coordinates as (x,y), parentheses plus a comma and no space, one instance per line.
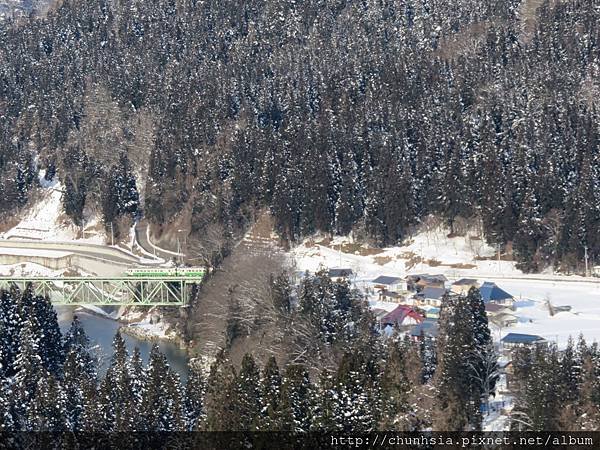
(534,316)
(28,270)
(45,219)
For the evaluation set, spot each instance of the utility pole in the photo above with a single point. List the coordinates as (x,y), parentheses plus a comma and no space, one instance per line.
(586,260)
(498,249)
(112,234)
(179,246)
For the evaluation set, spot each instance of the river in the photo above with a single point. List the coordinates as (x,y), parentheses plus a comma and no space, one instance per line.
(101,332)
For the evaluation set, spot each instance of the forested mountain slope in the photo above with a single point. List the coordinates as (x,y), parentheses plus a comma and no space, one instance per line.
(338,115)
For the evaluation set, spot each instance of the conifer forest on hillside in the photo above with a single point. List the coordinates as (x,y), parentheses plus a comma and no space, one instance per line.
(360,118)
(336,115)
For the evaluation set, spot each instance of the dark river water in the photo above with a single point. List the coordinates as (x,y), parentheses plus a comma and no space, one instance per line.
(101,332)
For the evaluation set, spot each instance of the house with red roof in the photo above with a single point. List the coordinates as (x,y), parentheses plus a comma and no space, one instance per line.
(401,316)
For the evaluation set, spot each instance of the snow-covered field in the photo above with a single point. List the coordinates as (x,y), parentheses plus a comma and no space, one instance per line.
(534,315)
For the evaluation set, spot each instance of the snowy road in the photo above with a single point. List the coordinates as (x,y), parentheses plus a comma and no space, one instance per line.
(143,240)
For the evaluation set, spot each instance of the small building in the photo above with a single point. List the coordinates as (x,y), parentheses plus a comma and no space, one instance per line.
(464,285)
(388,283)
(416,283)
(491,293)
(337,274)
(512,340)
(429,327)
(431,296)
(432,313)
(500,315)
(504,320)
(390,296)
(401,316)
(493,309)
(379,314)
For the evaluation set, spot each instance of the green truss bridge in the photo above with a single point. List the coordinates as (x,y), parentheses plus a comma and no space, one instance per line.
(118,291)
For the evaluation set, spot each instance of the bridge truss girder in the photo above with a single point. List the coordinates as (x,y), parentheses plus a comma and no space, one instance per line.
(103,291)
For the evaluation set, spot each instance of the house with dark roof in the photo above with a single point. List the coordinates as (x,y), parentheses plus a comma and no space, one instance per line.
(417,283)
(379,314)
(512,340)
(338,273)
(504,320)
(500,315)
(494,308)
(463,285)
(491,293)
(389,283)
(429,327)
(391,296)
(431,296)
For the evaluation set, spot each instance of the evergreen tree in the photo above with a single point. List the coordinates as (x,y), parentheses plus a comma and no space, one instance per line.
(327,414)
(195,393)
(221,396)
(6,417)
(538,408)
(569,374)
(117,389)
(459,398)
(530,234)
(29,370)
(296,399)
(281,293)
(77,341)
(355,387)
(77,378)
(428,356)
(138,383)
(39,312)
(49,411)
(162,402)
(10,325)
(395,389)
(482,360)
(248,395)
(271,396)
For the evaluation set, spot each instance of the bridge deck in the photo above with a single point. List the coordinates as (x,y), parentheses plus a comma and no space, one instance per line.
(118,291)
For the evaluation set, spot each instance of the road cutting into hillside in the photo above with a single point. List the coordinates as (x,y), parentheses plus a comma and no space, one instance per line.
(92,258)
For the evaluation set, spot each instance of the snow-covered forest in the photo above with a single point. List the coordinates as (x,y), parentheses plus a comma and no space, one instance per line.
(339,116)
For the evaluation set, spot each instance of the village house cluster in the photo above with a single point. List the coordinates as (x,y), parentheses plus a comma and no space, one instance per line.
(419,299)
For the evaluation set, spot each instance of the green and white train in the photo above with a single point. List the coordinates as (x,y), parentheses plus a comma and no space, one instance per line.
(163,272)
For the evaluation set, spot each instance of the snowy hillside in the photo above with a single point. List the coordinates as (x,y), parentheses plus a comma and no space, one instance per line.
(45,220)
(428,252)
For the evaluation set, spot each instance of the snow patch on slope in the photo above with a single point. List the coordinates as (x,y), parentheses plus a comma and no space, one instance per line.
(34,270)
(45,219)
(427,252)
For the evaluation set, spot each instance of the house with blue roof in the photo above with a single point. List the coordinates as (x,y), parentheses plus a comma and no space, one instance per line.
(491,293)
(429,327)
(512,340)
